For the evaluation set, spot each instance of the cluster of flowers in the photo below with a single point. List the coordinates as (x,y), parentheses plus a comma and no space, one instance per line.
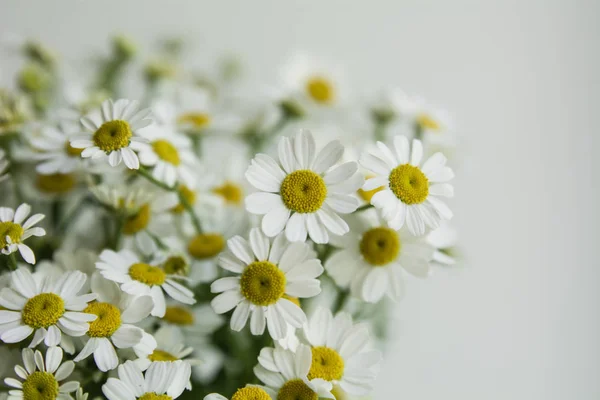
(208,242)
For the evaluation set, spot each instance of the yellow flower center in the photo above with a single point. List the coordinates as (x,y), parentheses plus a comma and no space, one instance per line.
(178,315)
(251,393)
(294,300)
(113,135)
(187,194)
(166,151)
(40,386)
(160,355)
(154,396)
(296,390)
(72,151)
(108,321)
(326,364)
(12,230)
(262,283)
(409,184)
(176,265)
(43,310)
(147,274)
(427,122)
(380,246)
(367,195)
(55,183)
(206,245)
(230,192)
(198,120)
(320,90)
(303,191)
(137,222)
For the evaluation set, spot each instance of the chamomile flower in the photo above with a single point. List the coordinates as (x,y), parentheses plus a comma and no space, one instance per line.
(411,192)
(302,194)
(54,151)
(250,392)
(112,132)
(4,163)
(267,272)
(13,231)
(46,308)
(372,257)
(116,312)
(286,374)
(340,351)
(42,378)
(140,279)
(162,381)
(419,114)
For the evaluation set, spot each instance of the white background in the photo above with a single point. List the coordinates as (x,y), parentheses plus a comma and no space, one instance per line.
(521,321)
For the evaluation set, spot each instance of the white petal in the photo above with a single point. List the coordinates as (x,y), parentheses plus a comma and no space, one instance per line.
(402,149)
(226,301)
(259,244)
(328,156)
(304,148)
(127,336)
(241,249)
(417,152)
(341,173)
(21,213)
(240,316)
(316,229)
(274,221)
(262,202)
(295,230)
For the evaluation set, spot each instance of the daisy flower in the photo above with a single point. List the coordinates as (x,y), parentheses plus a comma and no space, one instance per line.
(116,313)
(46,307)
(267,271)
(286,374)
(372,256)
(3,166)
(303,194)
(112,132)
(140,279)
(13,231)
(340,351)
(250,392)
(54,151)
(161,381)
(411,192)
(419,114)
(42,379)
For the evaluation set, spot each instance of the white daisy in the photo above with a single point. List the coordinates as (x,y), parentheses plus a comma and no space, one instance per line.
(411,193)
(303,193)
(286,374)
(46,308)
(53,149)
(372,256)
(140,279)
(116,313)
(250,392)
(12,233)
(112,132)
(4,163)
(267,271)
(341,352)
(42,379)
(421,116)
(161,381)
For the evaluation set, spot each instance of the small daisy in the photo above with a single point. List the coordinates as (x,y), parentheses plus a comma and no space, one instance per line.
(116,313)
(4,163)
(372,256)
(170,155)
(250,392)
(340,351)
(267,272)
(411,193)
(162,381)
(420,115)
(286,374)
(112,132)
(42,379)
(302,193)
(12,233)
(54,150)
(140,279)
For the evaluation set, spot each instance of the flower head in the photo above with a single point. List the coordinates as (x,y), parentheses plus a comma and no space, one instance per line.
(13,231)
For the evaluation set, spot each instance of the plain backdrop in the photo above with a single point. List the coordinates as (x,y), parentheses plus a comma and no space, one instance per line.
(521,319)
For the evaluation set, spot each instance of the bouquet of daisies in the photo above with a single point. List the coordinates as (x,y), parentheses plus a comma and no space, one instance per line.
(171,231)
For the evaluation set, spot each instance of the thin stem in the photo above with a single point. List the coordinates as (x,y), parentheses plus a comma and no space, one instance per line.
(120,221)
(341,300)
(418,131)
(363,208)
(380,131)
(12,261)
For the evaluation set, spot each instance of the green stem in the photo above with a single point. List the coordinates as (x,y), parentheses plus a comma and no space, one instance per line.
(120,221)
(363,208)
(341,300)
(418,131)
(12,261)
(380,131)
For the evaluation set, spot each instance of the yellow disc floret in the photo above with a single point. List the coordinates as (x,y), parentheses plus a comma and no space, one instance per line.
(380,246)
(326,364)
(179,315)
(320,90)
(113,135)
(303,191)
(161,355)
(55,183)
(40,386)
(72,151)
(138,221)
(409,184)
(166,151)
(198,120)
(206,245)
(147,274)
(43,310)
(188,194)
(230,192)
(12,230)
(251,393)
(176,265)
(262,283)
(154,396)
(427,122)
(296,389)
(367,195)
(107,322)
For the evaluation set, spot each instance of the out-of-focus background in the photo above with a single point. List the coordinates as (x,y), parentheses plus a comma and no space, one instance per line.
(521,319)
